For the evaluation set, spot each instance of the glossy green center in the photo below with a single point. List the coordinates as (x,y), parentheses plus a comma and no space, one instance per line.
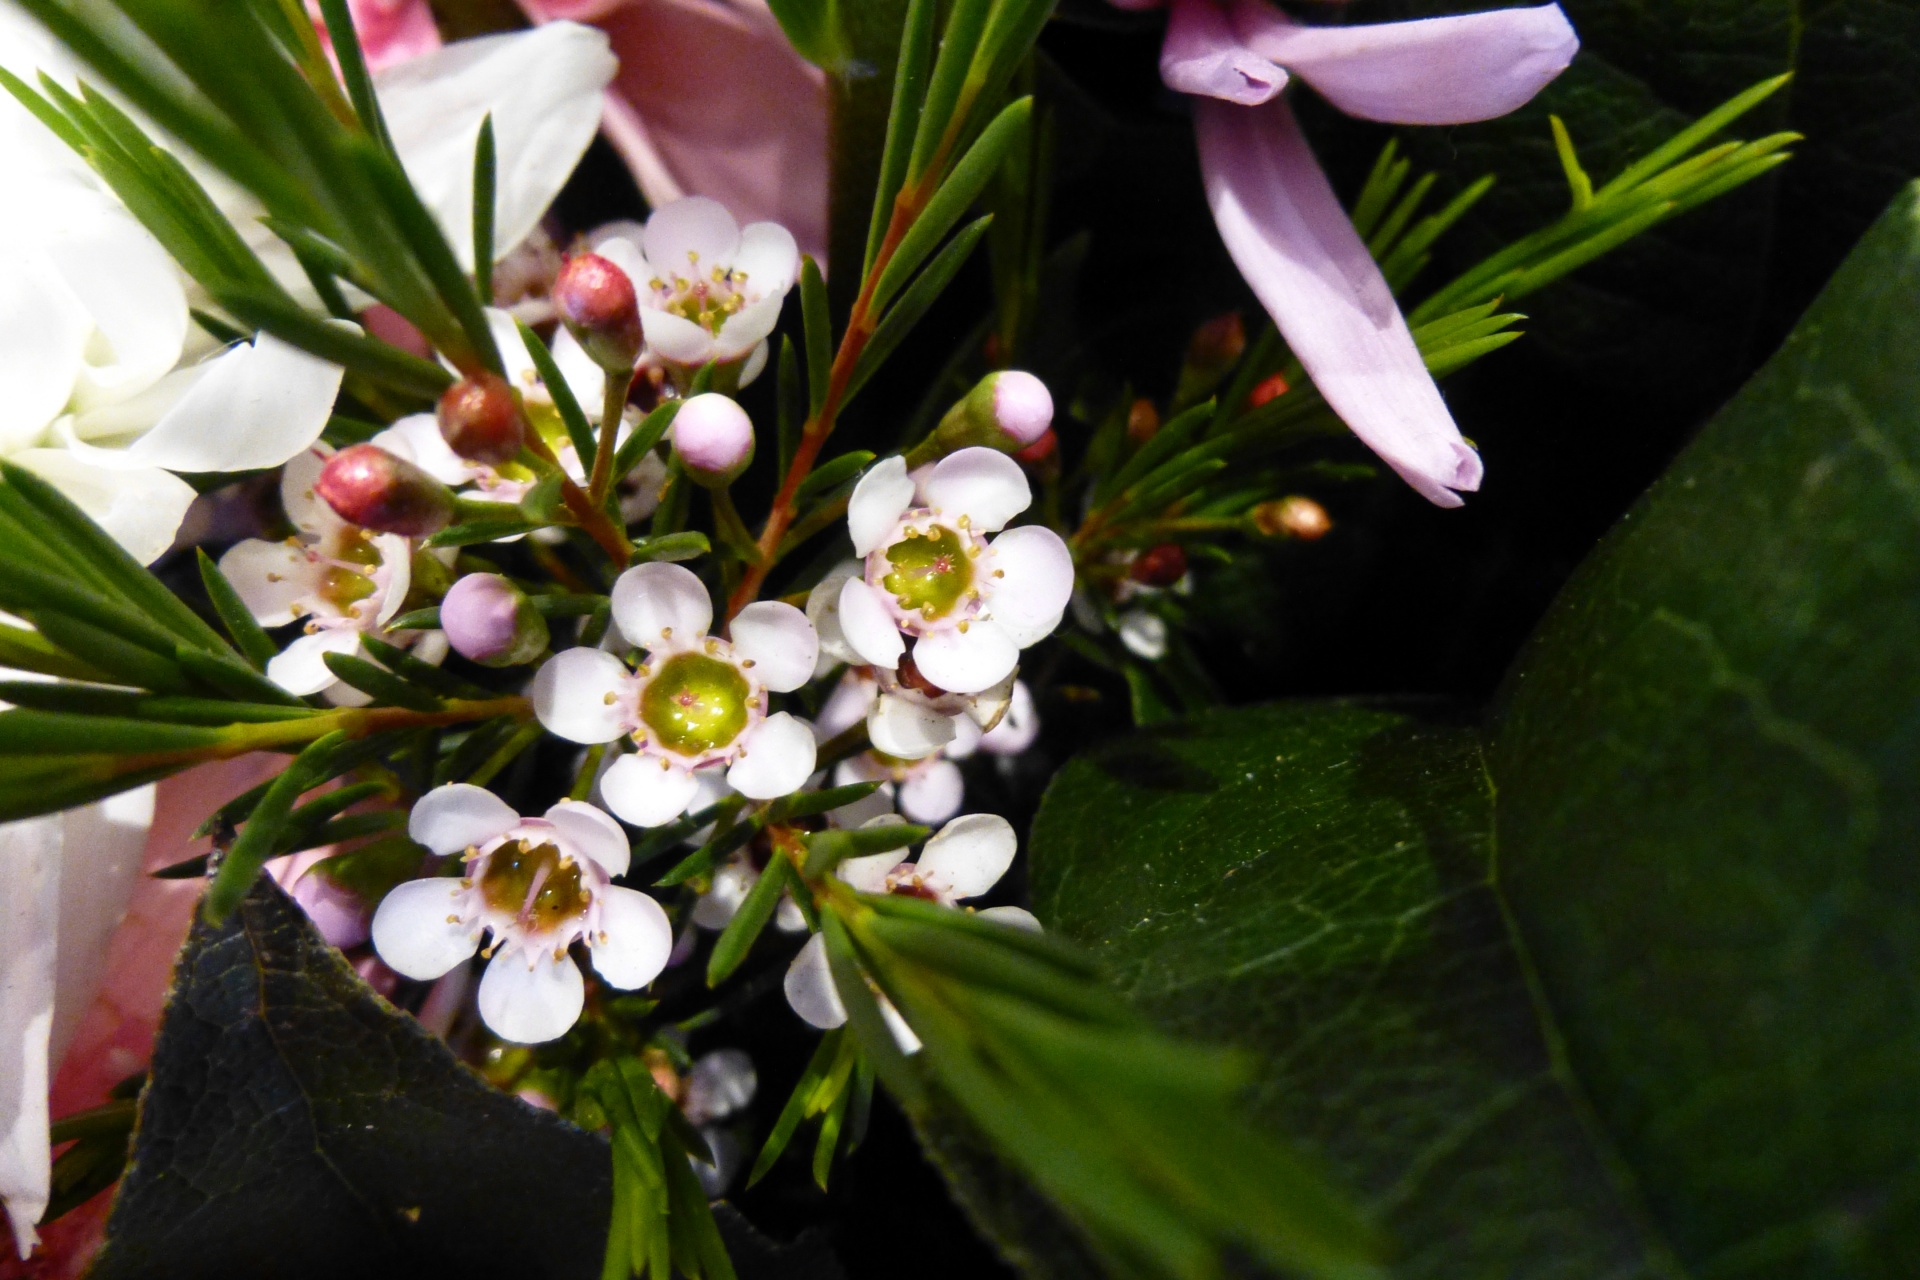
(931,572)
(530,882)
(343,585)
(695,703)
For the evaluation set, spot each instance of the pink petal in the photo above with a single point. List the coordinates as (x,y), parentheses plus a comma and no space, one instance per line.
(1293,243)
(1203,55)
(1472,66)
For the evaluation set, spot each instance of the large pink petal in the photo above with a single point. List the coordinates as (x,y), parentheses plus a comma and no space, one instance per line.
(1472,66)
(390,31)
(711,100)
(1295,246)
(1204,56)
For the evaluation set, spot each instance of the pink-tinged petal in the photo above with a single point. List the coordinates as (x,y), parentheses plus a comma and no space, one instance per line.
(846,706)
(302,668)
(593,834)
(337,913)
(458,816)
(878,501)
(983,485)
(647,791)
(1204,56)
(903,728)
(1036,582)
(721,903)
(768,260)
(657,603)
(30,855)
(580,695)
(823,611)
(968,856)
(869,874)
(690,237)
(417,438)
(967,661)
(809,987)
(1017,728)
(1292,241)
(743,331)
(531,1003)
(934,795)
(417,929)
(389,31)
(675,338)
(269,577)
(1452,70)
(868,626)
(635,938)
(780,643)
(776,758)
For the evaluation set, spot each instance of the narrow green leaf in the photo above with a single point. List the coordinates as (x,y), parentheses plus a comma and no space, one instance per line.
(731,947)
(831,474)
(424,675)
(652,429)
(914,303)
(483,210)
(579,430)
(799,1103)
(380,684)
(30,732)
(828,849)
(252,641)
(672,547)
(817,325)
(353,69)
(473,532)
(953,198)
(966,22)
(264,827)
(806,804)
(903,117)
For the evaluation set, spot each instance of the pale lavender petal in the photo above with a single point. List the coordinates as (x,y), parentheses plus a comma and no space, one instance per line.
(1452,70)
(1204,56)
(1293,243)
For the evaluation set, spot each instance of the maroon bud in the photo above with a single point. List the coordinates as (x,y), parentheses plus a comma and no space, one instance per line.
(1294,517)
(1040,450)
(481,420)
(367,486)
(1218,344)
(1143,421)
(910,678)
(597,303)
(1160,566)
(1270,388)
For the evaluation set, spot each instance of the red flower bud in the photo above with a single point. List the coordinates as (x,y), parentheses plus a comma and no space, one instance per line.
(1218,344)
(597,303)
(1143,421)
(367,486)
(1040,450)
(480,419)
(1270,388)
(1160,566)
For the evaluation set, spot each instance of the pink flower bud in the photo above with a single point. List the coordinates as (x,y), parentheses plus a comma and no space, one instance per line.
(598,305)
(713,436)
(367,486)
(490,621)
(1022,406)
(480,419)
(1007,411)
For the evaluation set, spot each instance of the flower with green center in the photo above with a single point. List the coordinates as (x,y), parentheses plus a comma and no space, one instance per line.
(537,886)
(697,701)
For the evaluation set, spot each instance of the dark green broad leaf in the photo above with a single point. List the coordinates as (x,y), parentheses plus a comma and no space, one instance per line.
(1629,982)
(296,1125)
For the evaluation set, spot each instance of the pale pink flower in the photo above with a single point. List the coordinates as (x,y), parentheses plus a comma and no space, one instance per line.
(390,31)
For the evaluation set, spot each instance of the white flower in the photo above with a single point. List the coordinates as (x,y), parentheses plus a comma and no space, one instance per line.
(963,860)
(931,789)
(537,885)
(697,700)
(931,576)
(709,290)
(736,877)
(1143,633)
(345,581)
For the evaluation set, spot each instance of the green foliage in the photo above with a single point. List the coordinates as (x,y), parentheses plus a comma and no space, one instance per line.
(1624,980)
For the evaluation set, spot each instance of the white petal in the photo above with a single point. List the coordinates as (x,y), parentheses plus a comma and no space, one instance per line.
(903,728)
(809,987)
(967,661)
(966,738)
(846,706)
(269,577)
(869,874)
(532,1004)
(769,259)
(458,816)
(30,856)
(302,668)
(858,814)
(141,509)
(43,340)
(902,1033)
(722,901)
(129,286)
(593,834)
(690,237)
(417,438)
(647,790)
(396,559)
(1017,728)
(779,641)
(579,695)
(754,365)
(984,485)
(675,338)
(307,510)
(587,380)
(823,611)
(744,330)
(933,795)
(638,938)
(619,243)
(868,627)
(1144,634)
(413,934)
(988,707)
(970,854)
(542,88)
(103,844)
(1038,582)
(878,501)
(776,758)
(1018,917)
(256,405)
(657,601)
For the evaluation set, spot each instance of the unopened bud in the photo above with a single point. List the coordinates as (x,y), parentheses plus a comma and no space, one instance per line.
(1143,421)
(1294,517)
(1040,450)
(1008,411)
(714,437)
(369,487)
(1160,566)
(481,420)
(596,302)
(1218,344)
(490,621)
(1269,388)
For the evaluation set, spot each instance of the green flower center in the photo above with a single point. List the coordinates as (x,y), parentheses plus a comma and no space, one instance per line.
(534,884)
(931,572)
(707,302)
(695,703)
(343,585)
